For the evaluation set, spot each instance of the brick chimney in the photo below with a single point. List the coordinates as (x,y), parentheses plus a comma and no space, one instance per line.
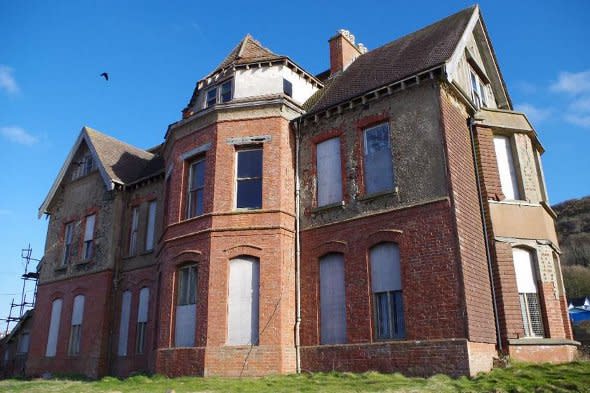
(343,51)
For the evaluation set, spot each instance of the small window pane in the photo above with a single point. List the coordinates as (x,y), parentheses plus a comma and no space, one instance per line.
(378,161)
(287,88)
(226,92)
(249,179)
(196,189)
(249,194)
(250,163)
(211,97)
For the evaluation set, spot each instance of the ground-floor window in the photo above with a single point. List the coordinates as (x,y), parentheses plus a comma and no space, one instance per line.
(526,282)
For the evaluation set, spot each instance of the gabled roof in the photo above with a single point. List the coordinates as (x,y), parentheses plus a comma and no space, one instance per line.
(247,51)
(118,163)
(407,56)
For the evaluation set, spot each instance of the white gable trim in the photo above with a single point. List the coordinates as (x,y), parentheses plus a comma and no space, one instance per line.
(453,62)
(109,183)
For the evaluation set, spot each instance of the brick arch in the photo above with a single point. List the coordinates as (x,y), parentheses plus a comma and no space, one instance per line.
(384,236)
(79,291)
(187,256)
(331,246)
(245,250)
(56,295)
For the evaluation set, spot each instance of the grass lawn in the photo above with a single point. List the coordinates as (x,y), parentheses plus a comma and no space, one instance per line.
(572,377)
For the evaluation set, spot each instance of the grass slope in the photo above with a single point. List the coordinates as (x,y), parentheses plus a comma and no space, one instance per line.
(572,377)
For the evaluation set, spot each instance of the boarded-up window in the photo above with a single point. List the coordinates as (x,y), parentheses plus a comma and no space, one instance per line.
(378,163)
(526,283)
(196,188)
(134,230)
(124,323)
(332,300)
(151,226)
(386,286)
(76,328)
(242,325)
(186,307)
(506,168)
(88,250)
(142,319)
(53,327)
(329,172)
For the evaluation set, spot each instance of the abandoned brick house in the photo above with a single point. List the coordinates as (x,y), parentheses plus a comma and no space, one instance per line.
(388,214)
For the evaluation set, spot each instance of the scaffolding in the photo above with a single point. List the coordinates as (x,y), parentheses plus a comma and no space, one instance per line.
(29,278)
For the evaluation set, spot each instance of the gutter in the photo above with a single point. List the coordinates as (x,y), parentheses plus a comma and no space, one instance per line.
(297,252)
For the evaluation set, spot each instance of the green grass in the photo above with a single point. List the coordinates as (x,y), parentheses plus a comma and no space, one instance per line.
(571,377)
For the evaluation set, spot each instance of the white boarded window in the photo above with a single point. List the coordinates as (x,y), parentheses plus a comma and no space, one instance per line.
(242,325)
(329,172)
(151,226)
(386,285)
(76,328)
(124,323)
(53,328)
(526,283)
(506,168)
(134,230)
(378,162)
(332,300)
(88,250)
(142,319)
(186,307)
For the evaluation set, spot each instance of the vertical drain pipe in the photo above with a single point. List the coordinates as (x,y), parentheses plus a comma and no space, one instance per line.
(485,233)
(297,253)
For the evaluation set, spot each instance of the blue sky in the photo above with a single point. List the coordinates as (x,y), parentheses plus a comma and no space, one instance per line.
(51,55)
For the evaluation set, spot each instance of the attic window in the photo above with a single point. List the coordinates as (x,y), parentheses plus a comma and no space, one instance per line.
(83,167)
(287,88)
(478,90)
(226,91)
(211,97)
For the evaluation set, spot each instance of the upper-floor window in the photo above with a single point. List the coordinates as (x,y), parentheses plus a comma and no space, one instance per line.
(377,160)
(526,283)
(68,240)
(287,88)
(249,178)
(196,188)
(134,230)
(76,328)
(88,248)
(151,226)
(478,90)
(329,172)
(226,92)
(506,167)
(84,166)
(211,97)
(332,300)
(186,307)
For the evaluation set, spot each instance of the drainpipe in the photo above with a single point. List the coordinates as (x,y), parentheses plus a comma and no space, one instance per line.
(485,233)
(297,253)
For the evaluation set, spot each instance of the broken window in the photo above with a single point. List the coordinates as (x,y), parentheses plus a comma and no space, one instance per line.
(76,328)
(242,321)
(186,307)
(378,162)
(329,172)
(142,319)
(478,90)
(88,248)
(124,323)
(249,178)
(196,188)
(526,283)
(506,167)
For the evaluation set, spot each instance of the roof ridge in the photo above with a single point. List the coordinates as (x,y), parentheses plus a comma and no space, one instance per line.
(102,134)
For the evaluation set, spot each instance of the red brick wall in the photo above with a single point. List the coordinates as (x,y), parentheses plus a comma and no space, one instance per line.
(474,273)
(488,165)
(92,360)
(342,53)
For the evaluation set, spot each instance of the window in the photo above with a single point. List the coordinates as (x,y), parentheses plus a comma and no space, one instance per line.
(68,239)
(53,328)
(196,188)
(76,329)
(287,88)
(211,97)
(88,249)
(377,160)
(142,319)
(23,343)
(478,90)
(526,282)
(134,230)
(124,323)
(332,300)
(88,165)
(226,91)
(249,179)
(151,226)
(186,307)
(329,172)
(506,168)
(242,321)
(386,286)
(83,167)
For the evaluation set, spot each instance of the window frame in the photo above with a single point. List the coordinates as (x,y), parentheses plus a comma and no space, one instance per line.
(237,180)
(150,232)
(185,299)
(134,231)
(68,242)
(229,83)
(233,337)
(142,320)
(524,300)
(513,164)
(75,339)
(287,87)
(201,159)
(324,335)
(182,304)
(365,155)
(211,101)
(478,89)
(54,327)
(88,243)
(340,179)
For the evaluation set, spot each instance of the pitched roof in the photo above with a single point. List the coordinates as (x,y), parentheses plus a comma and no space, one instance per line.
(392,62)
(247,51)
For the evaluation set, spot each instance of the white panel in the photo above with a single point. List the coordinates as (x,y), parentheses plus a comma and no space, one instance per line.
(89,231)
(525,271)
(53,328)
(124,323)
(78,310)
(329,172)
(186,321)
(151,226)
(144,300)
(242,322)
(332,300)
(135,218)
(506,168)
(385,268)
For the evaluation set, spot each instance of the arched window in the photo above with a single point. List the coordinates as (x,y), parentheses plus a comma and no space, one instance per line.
(386,285)
(76,328)
(526,282)
(142,319)
(242,320)
(124,323)
(53,328)
(186,307)
(332,300)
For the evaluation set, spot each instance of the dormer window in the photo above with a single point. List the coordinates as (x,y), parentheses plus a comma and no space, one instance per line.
(211,97)
(226,91)
(219,94)
(287,88)
(478,91)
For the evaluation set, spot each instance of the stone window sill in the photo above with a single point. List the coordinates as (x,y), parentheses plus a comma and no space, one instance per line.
(376,195)
(323,208)
(542,341)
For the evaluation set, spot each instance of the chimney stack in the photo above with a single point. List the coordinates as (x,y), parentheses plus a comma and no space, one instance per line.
(343,51)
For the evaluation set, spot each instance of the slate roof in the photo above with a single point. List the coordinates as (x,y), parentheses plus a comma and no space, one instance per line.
(247,51)
(392,62)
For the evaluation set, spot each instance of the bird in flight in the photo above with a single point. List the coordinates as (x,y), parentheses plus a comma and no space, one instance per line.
(105,75)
